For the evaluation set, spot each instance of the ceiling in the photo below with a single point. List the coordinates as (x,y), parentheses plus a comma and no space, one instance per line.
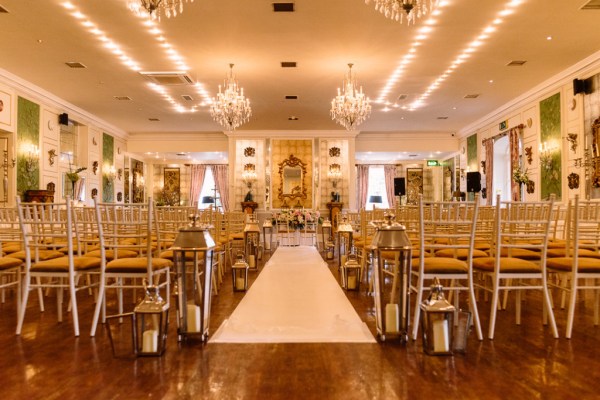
(322,37)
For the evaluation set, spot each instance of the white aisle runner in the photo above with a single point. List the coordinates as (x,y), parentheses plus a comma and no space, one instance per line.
(295,299)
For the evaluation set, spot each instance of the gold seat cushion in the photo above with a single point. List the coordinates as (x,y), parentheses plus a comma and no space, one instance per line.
(189,255)
(11,248)
(461,254)
(62,264)
(507,264)
(565,264)
(441,265)
(524,254)
(553,253)
(9,262)
(43,254)
(139,264)
(110,254)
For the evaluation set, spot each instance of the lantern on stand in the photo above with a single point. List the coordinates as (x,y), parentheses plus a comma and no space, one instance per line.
(344,240)
(193,247)
(327,239)
(239,273)
(437,317)
(251,241)
(150,324)
(351,273)
(267,230)
(392,250)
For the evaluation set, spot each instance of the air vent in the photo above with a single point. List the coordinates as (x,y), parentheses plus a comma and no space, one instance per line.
(187,97)
(442,117)
(516,63)
(291,97)
(471,96)
(3,10)
(122,98)
(283,7)
(75,64)
(292,118)
(591,5)
(403,97)
(413,155)
(168,78)
(153,119)
(288,64)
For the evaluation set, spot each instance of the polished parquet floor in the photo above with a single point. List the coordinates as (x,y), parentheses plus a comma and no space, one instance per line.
(522,362)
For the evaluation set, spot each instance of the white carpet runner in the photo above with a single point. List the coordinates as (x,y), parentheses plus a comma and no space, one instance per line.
(295,299)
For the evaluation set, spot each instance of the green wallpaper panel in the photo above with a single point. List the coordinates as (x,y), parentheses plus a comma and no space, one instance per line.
(108,149)
(550,133)
(472,153)
(28,133)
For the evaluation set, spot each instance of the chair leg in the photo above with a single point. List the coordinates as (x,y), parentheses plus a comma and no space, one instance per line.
(494,311)
(99,305)
(474,311)
(73,301)
(548,307)
(417,314)
(38,281)
(571,312)
(23,307)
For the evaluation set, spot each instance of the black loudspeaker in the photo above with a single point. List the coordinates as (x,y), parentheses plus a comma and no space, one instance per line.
(473,182)
(63,119)
(399,187)
(582,86)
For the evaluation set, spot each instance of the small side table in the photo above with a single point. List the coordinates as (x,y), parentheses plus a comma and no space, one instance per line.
(249,206)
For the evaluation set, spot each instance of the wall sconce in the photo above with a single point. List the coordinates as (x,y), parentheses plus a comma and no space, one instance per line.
(110,174)
(335,173)
(529,154)
(249,177)
(334,152)
(51,156)
(95,167)
(546,156)
(31,157)
(483,167)
(120,173)
(572,138)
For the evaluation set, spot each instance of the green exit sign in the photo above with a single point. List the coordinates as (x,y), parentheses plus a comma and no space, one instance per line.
(433,163)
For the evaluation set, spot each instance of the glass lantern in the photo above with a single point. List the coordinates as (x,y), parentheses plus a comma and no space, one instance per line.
(239,273)
(351,273)
(392,249)
(344,242)
(251,241)
(193,245)
(267,234)
(150,324)
(437,318)
(326,239)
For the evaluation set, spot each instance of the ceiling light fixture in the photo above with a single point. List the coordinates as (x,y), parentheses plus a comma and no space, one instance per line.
(396,9)
(155,8)
(350,107)
(231,108)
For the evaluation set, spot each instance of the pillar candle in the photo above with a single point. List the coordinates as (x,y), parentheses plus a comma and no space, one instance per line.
(344,258)
(351,284)
(330,255)
(150,341)
(251,261)
(441,339)
(193,318)
(391,318)
(240,283)
(268,245)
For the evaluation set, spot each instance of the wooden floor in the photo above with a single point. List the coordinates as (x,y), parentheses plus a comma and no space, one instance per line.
(523,362)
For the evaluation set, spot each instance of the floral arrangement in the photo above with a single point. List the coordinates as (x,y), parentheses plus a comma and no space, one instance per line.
(73,174)
(520,176)
(297,219)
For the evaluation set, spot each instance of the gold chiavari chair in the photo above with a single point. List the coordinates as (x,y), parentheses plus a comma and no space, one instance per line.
(10,267)
(519,228)
(43,225)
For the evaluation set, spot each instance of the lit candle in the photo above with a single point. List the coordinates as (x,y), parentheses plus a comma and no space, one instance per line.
(441,342)
(193,318)
(240,283)
(251,261)
(391,318)
(150,341)
(351,282)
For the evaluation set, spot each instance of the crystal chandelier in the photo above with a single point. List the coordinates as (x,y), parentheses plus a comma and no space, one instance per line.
(231,108)
(350,107)
(155,8)
(395,9)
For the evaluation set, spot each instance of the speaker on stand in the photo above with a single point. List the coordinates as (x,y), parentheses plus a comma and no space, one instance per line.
(473,182)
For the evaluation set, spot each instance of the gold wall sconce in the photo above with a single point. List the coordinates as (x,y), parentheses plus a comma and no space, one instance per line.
(529,154)
(572,139)
(51,156)
(546,155)
(95,167)
(31,157)
(120,173)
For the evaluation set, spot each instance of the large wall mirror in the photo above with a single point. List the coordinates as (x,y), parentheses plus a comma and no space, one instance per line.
(292,173)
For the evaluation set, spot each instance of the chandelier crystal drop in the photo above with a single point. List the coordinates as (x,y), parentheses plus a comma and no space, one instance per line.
(350,107)
(231,108)
(398,9)
(156,8)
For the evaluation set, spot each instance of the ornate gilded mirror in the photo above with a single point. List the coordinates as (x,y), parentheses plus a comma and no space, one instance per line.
(292,172)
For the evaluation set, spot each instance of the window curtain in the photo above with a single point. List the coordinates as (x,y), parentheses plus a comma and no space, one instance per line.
(489,169)
(220,173)
(362,185)
(513,138)
(196,182)
(389,172)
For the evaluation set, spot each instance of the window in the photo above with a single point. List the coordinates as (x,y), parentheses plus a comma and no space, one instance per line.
(376,190)
(209,194)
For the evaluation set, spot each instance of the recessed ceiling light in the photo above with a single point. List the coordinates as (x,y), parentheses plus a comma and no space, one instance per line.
(292,118)
(548,37)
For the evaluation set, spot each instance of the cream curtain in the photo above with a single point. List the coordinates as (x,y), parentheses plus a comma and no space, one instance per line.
(196,182)
(220,173)
(389,172)
(362,185)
